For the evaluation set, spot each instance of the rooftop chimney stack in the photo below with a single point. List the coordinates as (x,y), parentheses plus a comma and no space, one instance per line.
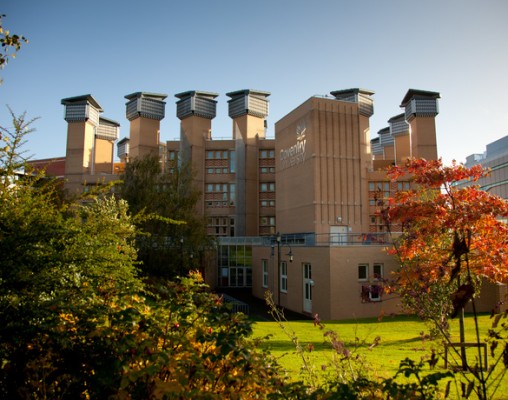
(144,111)
(399,130)
(248,109)
(421,108)
(196,109)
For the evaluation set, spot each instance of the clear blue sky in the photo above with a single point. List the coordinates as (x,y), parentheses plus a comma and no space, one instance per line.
(291,48)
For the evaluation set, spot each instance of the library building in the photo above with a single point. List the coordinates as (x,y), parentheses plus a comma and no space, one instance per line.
(296,213)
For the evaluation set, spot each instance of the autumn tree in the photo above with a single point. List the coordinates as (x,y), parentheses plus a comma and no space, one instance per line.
(452,237)
(174,235)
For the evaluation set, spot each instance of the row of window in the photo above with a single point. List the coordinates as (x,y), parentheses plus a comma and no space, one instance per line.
(231,187)
(231,203)
(219,154)
(380,191)
(225,154)
(283,276)
(221,226)
(231,170)
(369,292)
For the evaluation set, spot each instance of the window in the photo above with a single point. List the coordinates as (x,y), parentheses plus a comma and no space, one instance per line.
(267,170)
(379,190)
(267,187)
(267,221)
(267,203)
(267,153)
(375,292)
(232,161)
(220,194)
(283,277)
(267,226)
(403,186)
(220,161)
(221,226)
(363,272)
(371,293)
(264,264)
(377,270)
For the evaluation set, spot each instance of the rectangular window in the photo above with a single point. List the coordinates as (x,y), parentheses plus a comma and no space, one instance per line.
(375,292)
(264,264)
(403,186)
(267,221)
(221,226)
(363,272)
(232,194)
(232,168)
(267,203)
(267,153)
(283,277)
(267,170)
(267,187)
(377,270)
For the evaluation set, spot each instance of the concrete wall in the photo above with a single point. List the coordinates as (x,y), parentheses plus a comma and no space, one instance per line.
(144,137)
(322,173)
(337,290)
(103,156)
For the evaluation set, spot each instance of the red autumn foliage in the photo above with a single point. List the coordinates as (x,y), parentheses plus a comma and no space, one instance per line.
(443,224)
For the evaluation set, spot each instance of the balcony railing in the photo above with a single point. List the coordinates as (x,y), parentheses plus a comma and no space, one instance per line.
(334,239)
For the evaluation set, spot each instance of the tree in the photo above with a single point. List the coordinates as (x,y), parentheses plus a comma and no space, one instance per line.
(60,263)
(174,235)
(11,44)
(452,237)
(76,321)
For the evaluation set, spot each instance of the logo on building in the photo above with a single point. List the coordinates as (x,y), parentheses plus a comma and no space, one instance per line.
(295,154)
(300,131)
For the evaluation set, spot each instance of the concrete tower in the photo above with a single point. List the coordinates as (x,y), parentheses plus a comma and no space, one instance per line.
(90,142)
(196,109)
(421,108)
(144,111)
(82,116)
(399,131)
(387,144)
(248,109)
(105,137)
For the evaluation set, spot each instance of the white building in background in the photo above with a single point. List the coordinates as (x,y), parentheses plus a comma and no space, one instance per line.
(495,158)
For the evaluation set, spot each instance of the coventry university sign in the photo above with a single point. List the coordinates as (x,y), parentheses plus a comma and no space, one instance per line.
(295,154)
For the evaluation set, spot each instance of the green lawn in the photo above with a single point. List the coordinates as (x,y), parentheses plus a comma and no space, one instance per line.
(399,337)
